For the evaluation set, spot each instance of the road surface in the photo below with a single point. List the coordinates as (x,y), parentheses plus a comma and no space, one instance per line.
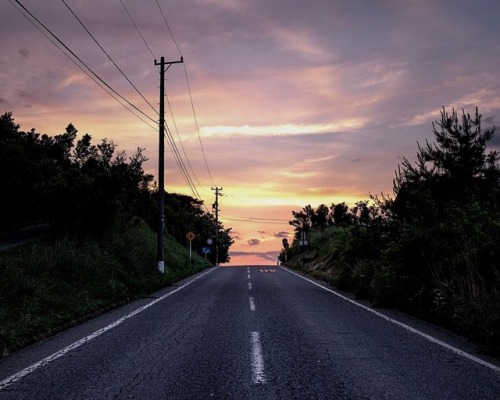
(248,333)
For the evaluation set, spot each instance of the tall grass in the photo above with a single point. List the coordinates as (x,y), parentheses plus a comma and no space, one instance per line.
(47,286)
(448,288)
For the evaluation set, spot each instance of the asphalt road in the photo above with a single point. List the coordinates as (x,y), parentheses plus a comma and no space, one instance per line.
(247,333)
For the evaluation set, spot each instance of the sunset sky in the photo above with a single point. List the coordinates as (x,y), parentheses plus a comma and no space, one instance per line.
(296,102)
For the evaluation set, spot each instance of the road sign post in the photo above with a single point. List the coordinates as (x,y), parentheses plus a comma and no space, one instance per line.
(206,251)
(190,236)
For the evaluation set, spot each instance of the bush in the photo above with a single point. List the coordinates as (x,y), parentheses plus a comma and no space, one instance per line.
(47,286)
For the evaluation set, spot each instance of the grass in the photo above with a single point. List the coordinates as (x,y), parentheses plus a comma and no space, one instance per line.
(48,286)
(461,300)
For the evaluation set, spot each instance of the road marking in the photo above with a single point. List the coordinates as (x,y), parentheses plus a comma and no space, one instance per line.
(267,270)
(249,285)
(252,303)
(21,374)
(258,373)
(248,276)
(404,326)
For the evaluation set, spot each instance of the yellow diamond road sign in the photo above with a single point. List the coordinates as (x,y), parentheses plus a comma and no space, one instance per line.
(190,236)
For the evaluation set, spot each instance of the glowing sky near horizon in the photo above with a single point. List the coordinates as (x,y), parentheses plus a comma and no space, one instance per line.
(297,102)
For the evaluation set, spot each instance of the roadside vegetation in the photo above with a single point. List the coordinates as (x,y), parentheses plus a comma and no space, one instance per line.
(99,248)
(432,250)
(51,285)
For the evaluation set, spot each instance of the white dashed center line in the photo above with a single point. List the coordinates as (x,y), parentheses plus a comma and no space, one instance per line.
(252,303)
(258,373)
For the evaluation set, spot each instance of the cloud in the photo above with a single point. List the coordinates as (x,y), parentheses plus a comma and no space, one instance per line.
(254,242)
(266,256)
(280,130)
(24,52)
(296,103)
(282,234)
(231,5)
(235,235)
(301,42)
(24,95)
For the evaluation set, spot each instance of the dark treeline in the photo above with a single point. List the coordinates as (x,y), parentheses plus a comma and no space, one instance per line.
(98,209)
(432,250)
(82,189)
(185,214)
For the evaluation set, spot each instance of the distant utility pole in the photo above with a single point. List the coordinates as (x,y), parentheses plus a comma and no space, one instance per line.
(215,207)
(160,248)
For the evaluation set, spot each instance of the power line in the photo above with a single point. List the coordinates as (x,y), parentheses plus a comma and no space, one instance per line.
(178,157)
(180,163)
(268,219)
(172,144)
(105,86)
(180,141)
(197,127)
(166,133)
(83,63)
(109,57)
(190,95)
(65,50)
(256,220)
(168,26)
(137,28)
(171,141)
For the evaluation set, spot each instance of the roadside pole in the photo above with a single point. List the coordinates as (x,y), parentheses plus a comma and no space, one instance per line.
(160,242)
(190,236)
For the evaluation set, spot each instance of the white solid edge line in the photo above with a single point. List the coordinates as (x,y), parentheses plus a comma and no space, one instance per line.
(28,370)
(404,326)
(258,374)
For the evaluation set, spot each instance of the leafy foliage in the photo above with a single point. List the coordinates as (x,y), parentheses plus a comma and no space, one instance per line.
(433,249)
(184,214)
(47,286)
(101,208)
(85,189)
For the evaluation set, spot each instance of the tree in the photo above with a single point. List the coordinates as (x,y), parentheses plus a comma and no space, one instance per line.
(446,212)
(302,220)
(89,190)
(460,149)
(340,215)
(456,168)
(320,219)
(25,163)
(185,214)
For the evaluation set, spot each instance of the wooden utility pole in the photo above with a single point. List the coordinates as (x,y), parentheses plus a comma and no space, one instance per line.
(216,211)
(160,248)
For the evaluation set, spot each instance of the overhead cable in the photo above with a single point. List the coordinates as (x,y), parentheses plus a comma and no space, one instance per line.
(65,50)
(168,26)
(172,144)
(83,63)
(190,94)
(197,127)
(107,55)
(180,141)
(138,31)
(256,220)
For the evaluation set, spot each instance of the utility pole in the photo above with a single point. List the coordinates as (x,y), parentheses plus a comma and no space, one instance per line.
(160,248)
(215,207)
